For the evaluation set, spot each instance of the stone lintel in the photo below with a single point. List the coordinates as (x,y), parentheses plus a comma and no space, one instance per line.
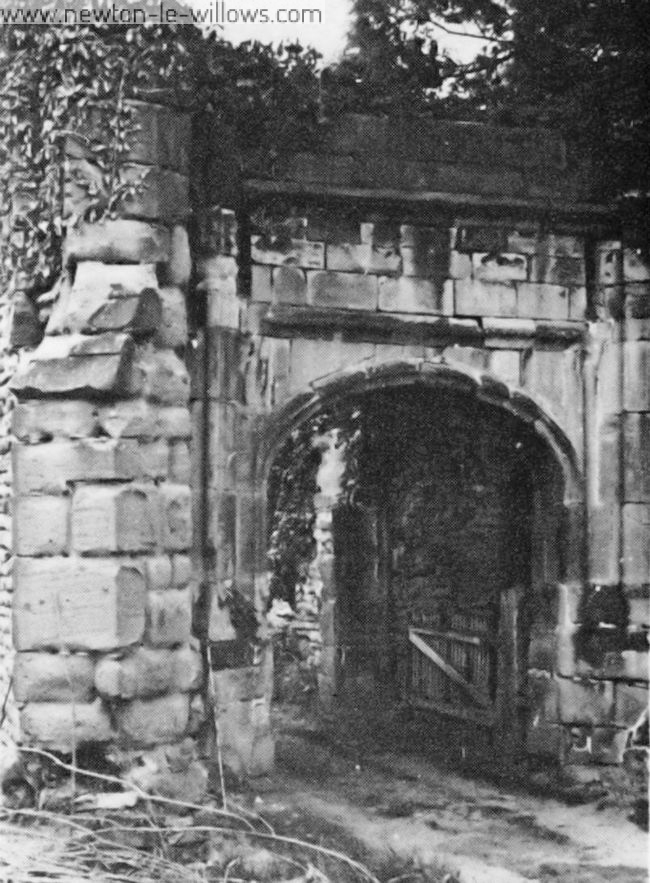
(439,203)
(285,320)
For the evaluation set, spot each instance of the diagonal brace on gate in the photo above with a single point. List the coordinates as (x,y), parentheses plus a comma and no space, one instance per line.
(450,672)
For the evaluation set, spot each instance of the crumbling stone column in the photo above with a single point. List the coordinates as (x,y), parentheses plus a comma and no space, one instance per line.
(602,654)
(104,586)
(322,573)
(232,400)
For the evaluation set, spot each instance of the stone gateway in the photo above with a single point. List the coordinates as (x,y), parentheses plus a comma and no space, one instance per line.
(456,281)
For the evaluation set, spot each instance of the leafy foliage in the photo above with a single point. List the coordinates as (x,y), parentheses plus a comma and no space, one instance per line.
(581,66)
(56,80)
(292,486)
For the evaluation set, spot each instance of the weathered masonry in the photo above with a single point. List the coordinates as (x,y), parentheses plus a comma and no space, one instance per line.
(454,278)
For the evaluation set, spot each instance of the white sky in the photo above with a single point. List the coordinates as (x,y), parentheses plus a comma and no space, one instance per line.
(327,36)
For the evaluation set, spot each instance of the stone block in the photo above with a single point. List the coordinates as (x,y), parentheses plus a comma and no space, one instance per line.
(636,392)
(636,543)
(176,517)
(115,518)
(631,704)
(597,745)
(24,327)
(117,242)
(261,283)
(562,245)
(77,367)
(289,285)
(566,662)
(180,464)
(425,251)
(555,269)
(460,265)
(609,302)
(62,726)
(220,628)
(638,600)
(474,238)
(53,677)
(471,356)
(77,603)
(227,359)
(182,571)
(156,194)
(187,670)
(578,304)
(166,380)
(363,258)
(158,570)
(49,468)
(37,421)
(145,672)
(314,360)
(108,297)
(178,268)
(347,291)
(246,743)
(637,300)
(41,525)
(157,721)
(523,240)
(543,697)
(554,379)
(635,268)
(292,252)
(144,420)
(636,458)
(219,273)
(542,301)
(506,365)
(542,650)
(636,665)
(499,268)
(609,263)
(248,519)
(586,701)
(235,685)
(172,328)
(161,136)
(408,294)
(169,618)
(478,298)
(508,333)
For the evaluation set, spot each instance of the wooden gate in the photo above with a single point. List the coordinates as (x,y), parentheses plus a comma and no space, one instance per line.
(453,671)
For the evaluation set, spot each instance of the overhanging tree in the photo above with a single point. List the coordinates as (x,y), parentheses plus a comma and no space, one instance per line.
(581,66)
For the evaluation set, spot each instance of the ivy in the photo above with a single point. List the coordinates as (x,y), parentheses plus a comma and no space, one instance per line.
(59,84)
(292,486)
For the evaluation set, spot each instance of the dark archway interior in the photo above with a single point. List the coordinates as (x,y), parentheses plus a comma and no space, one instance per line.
(452,530)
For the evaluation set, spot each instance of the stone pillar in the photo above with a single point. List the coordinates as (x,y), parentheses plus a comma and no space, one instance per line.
(602,655)
(322,571)
(104,587)
(233,402)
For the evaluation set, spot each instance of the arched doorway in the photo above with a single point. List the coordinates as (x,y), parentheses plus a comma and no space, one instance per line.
(437,575)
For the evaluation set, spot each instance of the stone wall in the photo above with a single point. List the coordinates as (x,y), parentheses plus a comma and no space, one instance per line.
(353,273)
(460,257)
(103,580)
(8,360)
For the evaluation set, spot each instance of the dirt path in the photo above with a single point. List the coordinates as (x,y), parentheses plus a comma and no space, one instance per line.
(414,822)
